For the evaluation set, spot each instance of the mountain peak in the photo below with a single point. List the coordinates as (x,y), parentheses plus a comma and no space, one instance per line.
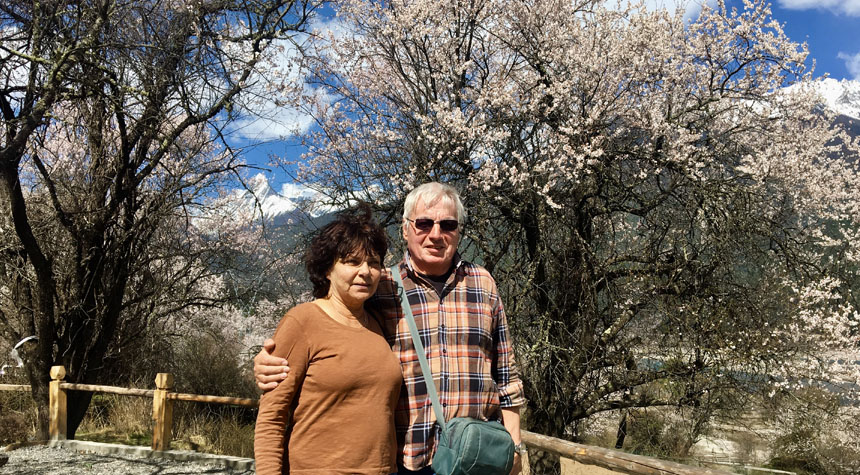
(841,96)
(259,186)
(260,194)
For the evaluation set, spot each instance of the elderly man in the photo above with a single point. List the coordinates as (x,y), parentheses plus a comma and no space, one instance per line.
(461,321)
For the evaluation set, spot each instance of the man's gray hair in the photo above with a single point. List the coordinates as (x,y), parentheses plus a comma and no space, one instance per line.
(430,193)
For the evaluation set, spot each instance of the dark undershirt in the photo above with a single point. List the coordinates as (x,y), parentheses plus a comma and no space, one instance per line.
(438,281)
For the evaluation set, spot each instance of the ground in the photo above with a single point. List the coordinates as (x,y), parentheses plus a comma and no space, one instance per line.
(42,460)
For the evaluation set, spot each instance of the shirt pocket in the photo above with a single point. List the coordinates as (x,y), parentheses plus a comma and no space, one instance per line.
(474,336)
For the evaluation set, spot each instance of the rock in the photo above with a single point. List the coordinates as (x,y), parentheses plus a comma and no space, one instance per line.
(3,459)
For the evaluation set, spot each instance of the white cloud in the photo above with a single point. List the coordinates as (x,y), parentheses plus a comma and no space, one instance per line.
(329,26)
(298,191)
(852,63)
(14,70)
(271,121)
(691,8)
(265,111)
(847,7)
(312,200)
(268,118)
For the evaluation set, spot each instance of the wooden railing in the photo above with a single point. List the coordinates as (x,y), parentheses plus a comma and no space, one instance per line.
(162,403)
(576,459)
(579,459)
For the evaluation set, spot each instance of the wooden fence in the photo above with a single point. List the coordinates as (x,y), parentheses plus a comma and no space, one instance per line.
(162,403)
(576,459)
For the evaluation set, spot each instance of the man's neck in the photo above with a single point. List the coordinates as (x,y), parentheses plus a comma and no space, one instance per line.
(433,272)
(437,277)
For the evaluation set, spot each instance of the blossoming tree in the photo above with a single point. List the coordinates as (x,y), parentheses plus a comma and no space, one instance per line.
(112,115)
(663,216)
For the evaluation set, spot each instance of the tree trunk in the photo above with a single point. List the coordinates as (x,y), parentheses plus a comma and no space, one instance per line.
(78,402)
(622,432)
(39,392)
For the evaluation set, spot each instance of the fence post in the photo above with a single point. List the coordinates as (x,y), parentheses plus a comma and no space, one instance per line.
(572,467)
(162,412)
(569,466)
(527,470)
(57,404)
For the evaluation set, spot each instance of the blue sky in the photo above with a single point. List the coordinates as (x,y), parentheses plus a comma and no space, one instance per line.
(831,29)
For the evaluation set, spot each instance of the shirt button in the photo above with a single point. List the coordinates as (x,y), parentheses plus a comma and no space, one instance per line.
(444,350)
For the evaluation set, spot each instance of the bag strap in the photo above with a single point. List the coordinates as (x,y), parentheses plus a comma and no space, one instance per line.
(419,348)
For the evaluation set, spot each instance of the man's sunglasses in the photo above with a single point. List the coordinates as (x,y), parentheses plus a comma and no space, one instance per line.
(426,224)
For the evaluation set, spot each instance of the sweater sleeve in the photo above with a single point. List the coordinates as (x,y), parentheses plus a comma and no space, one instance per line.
(274,414)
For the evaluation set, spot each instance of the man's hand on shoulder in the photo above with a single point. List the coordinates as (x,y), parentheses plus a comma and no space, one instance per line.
(269,370)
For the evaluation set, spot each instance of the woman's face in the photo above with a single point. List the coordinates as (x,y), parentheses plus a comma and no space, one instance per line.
(354,278)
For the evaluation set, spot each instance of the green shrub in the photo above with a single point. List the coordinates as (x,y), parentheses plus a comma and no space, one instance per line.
(657,434)
(650,433)
(204,363)
(117,419)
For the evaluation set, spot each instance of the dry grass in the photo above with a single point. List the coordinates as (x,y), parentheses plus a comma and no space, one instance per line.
(227,431)
(17,416)
(128,420)
(118,419)
(199,427)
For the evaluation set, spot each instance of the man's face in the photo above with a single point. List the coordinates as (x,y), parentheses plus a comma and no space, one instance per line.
(432,251)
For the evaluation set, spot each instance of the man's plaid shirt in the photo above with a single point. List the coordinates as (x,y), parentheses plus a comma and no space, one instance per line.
(467,340)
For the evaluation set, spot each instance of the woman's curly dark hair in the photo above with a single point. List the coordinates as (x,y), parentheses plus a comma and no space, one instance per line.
(352,230)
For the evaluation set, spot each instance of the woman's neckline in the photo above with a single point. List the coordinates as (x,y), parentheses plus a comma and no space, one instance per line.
(363,324)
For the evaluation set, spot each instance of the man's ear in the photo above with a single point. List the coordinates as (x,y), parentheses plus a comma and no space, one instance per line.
(404,228)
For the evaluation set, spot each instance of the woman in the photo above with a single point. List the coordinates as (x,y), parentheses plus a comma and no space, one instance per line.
(334,412)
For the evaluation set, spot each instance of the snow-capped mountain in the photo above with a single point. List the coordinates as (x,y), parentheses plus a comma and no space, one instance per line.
(257,199)
(264,198)
(841,96)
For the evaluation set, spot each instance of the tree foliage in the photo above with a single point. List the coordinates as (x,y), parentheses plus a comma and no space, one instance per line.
(663,213)
(111,143)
